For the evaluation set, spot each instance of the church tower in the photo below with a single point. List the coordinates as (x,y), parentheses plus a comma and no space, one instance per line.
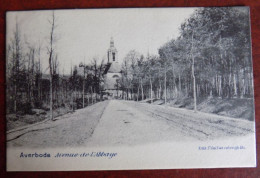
(112,73)
(112,53)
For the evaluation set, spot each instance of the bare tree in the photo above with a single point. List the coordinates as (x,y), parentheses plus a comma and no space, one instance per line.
(15,52)
(50,52)
(39,72)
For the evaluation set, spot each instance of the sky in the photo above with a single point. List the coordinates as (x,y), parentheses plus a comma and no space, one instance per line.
(82,35)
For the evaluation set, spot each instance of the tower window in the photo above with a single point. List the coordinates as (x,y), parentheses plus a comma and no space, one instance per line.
(114,56)
(115,76)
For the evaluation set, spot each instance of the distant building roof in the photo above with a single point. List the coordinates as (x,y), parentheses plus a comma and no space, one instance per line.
(112,68)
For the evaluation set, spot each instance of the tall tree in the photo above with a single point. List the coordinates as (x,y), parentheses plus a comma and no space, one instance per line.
(15,65)
(51,55)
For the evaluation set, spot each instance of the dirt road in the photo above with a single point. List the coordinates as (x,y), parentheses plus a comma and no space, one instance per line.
(68,130)
(117,122)
(131,123)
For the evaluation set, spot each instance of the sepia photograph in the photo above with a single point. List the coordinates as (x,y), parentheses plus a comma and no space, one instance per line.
(130,82)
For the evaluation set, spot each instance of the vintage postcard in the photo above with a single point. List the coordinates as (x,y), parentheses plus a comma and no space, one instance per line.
(139,88)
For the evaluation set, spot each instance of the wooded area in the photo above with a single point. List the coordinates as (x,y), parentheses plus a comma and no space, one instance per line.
(29,87)
(210,58)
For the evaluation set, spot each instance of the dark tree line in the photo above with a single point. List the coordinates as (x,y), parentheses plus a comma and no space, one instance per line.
(210,58)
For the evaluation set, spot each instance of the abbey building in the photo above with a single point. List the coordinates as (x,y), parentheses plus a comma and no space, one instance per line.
(112,73)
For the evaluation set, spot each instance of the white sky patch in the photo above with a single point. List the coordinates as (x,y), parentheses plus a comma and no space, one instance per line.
(87,33)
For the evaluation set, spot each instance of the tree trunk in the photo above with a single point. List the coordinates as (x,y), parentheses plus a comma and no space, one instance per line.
(165,95)
(50,65)
(138,92)
(151,87)
(160,89)
(83,92)
(15,94)
(173,82)
(179,82)
(194,86)
(193,76)
(132,92)
(237,84)
(142,89)
(51,100)
(127,93)
(91,95)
